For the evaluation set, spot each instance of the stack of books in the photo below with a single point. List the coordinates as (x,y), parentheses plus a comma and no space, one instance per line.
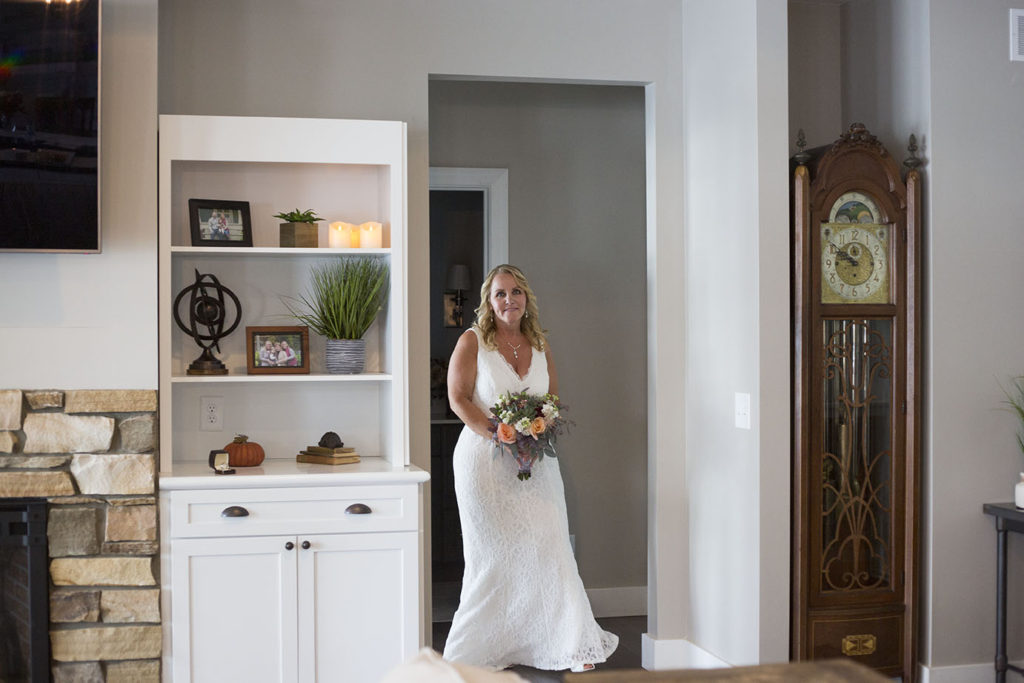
(343,455)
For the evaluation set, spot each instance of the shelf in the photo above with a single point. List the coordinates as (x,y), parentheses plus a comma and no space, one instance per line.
(221,379)
(275,251)
(355,170)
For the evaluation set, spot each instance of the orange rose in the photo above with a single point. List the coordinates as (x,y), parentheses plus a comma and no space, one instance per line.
(537,426)
(506,433)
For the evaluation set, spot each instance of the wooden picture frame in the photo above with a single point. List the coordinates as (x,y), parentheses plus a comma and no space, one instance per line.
(219,223)
(451,312)
(264,344)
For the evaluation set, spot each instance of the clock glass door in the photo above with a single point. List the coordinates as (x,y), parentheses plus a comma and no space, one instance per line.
(856,461)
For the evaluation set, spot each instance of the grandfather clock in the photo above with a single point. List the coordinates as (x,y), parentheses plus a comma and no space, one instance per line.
(856,405)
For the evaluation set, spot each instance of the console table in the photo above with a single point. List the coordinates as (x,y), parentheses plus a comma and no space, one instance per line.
(1008,518)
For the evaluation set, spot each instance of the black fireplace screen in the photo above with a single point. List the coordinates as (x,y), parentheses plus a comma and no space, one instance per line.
(24,591)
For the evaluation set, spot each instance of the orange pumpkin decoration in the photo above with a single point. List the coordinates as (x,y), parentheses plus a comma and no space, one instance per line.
(244,453)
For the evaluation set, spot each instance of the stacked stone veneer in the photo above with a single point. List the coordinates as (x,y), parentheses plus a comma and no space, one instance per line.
(91,455)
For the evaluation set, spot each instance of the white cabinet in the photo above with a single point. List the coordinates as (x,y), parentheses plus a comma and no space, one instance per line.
(238,602)
(295,588)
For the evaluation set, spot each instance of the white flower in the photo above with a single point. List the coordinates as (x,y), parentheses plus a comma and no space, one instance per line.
(549,411)
(523,426)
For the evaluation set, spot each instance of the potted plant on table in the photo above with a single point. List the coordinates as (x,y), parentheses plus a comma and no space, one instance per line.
(300,228)
(1015,401)
(342,302)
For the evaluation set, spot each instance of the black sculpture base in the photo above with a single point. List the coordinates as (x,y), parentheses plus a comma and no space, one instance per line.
(206,364)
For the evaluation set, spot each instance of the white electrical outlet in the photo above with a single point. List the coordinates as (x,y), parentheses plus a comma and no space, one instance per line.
(211,413)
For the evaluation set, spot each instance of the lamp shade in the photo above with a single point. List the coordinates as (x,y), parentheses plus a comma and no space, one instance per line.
(458,277)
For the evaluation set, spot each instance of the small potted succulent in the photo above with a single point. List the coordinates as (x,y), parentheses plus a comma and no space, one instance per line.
(342,302)
(300,228)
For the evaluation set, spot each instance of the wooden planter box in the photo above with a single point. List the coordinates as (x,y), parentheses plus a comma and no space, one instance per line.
(300,235)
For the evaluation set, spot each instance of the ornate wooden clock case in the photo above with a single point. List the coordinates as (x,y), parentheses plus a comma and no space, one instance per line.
(856,410)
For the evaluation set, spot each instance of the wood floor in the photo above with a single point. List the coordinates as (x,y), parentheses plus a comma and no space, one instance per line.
(627,656)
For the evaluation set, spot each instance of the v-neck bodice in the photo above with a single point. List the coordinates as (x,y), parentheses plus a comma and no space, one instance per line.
(496,376)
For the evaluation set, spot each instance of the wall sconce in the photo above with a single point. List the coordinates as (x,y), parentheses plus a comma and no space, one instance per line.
(458,283)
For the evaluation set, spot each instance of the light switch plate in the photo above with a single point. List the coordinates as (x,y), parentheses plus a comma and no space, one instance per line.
(742,411)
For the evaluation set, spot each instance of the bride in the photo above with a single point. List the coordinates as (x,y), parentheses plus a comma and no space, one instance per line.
(522,599)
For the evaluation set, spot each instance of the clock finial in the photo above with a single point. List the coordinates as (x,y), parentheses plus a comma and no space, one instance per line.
(912,162)
(802,157)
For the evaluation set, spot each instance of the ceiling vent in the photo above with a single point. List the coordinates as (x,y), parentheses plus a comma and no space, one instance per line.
(1017,35)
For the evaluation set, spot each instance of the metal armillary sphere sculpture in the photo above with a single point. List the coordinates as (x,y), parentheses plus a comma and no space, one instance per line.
(207,310)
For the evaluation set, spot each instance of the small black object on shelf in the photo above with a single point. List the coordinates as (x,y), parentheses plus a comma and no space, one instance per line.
(331,440)
(219,462)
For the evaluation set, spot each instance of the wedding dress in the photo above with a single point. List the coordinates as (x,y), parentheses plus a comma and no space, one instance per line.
(522,599)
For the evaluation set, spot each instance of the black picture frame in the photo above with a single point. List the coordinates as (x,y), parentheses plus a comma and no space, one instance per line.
(297,337)
(235,225)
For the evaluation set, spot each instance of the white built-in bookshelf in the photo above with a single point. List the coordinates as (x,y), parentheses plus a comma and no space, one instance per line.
(345,170)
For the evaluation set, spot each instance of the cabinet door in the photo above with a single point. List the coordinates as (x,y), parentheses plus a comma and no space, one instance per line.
(233,609)
(358,605)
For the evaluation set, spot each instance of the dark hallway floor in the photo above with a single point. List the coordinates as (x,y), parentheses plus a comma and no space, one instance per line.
(627,656)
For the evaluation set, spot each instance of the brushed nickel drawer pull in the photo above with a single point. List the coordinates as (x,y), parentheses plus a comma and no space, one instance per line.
(358,509)
(234,511)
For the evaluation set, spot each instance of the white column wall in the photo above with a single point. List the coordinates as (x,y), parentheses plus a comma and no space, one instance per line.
(737,322)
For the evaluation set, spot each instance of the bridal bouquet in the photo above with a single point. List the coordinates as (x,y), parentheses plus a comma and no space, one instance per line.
(526,426)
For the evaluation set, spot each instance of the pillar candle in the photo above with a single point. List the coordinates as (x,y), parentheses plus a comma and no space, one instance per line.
(338,235)
(371,235)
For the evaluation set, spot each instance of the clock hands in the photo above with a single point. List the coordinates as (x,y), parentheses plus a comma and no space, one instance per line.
(840,253)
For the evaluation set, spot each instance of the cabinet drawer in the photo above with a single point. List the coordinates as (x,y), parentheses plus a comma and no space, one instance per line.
(875,641)
(293,511)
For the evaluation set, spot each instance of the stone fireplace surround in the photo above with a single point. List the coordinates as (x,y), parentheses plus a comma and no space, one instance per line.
(91,455)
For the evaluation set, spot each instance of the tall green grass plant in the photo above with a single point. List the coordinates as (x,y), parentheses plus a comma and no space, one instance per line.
(343,298)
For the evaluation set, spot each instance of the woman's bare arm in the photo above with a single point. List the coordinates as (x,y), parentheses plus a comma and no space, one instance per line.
(462,380)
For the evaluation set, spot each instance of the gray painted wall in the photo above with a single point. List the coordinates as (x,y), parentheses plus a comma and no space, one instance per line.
(575,156)
(362,59)
(975,252)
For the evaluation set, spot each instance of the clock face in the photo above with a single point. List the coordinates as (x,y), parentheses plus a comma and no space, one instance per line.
(854,252)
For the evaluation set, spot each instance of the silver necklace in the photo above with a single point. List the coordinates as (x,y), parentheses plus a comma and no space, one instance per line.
(515,349)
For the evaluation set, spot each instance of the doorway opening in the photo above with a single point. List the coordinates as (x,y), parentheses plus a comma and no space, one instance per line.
(577,226)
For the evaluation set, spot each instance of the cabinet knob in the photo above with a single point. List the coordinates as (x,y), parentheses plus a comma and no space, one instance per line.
(358,509)
(234,511)
(305,545)
(289,545)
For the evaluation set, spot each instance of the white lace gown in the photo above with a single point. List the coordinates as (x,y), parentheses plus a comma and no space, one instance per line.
(522,599)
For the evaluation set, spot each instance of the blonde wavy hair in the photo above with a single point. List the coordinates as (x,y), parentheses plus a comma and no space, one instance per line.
(529,324)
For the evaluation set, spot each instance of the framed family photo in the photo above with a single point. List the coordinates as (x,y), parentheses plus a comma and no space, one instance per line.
(277,350)
(219,223)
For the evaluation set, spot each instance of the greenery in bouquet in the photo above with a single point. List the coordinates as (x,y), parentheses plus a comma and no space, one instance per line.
(526,427)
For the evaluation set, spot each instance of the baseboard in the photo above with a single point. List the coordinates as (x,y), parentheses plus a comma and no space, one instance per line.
(621,601)
(658,655)
(968,673)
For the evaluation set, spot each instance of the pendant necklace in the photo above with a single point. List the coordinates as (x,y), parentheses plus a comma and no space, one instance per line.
(515,349)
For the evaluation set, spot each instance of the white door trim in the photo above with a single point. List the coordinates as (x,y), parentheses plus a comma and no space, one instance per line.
(493,182)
